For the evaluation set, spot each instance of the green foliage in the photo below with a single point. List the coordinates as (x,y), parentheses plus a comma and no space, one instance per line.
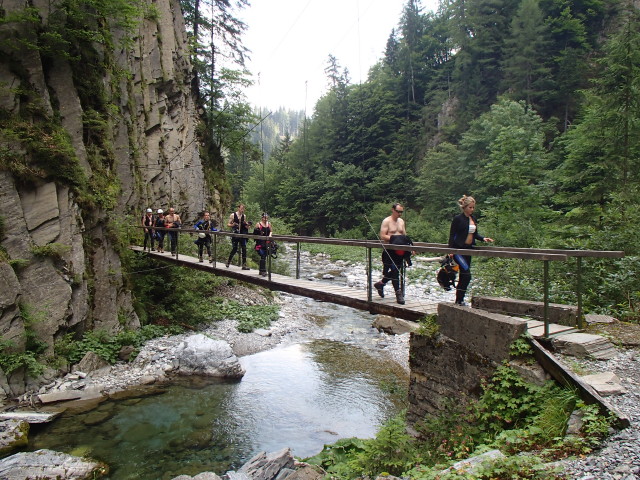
(18,264)
(428,326)
(451,434)
(595,425)
(182,296)
(249,317)
(52,250)
(525,467)
(511,416)
(391,452)
(10,360)
(518,468)
(48,147)
(336,252)
(107,346)
(30,317)
(334,459)
(507,401)
(521,347)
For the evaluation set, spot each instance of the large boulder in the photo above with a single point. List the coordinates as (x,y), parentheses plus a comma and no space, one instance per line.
(265,466)
(14,433)
(394,326)
(49,464)
(201,355)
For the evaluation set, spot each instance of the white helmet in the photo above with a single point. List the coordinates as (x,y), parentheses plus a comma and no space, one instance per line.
(202,235)
(149,210)
(160,211)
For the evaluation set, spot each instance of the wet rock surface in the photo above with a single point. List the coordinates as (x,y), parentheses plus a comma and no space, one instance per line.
(49,464)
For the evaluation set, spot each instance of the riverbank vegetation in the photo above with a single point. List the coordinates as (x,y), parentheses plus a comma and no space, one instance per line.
(527,423)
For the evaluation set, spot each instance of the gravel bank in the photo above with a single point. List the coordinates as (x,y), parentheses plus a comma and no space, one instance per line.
(619,457)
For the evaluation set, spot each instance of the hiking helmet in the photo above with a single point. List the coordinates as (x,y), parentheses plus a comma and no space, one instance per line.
(160,211)
(149,210)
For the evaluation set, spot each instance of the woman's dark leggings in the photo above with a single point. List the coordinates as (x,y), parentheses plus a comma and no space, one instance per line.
(464,278)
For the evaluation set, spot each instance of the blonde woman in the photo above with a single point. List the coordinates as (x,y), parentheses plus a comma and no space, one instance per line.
(463,234)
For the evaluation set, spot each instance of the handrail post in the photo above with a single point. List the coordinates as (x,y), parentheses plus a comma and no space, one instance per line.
(579,292)
(177,242)
(215,250)
(369,283)
(297,260)
(269,264)
(546,298)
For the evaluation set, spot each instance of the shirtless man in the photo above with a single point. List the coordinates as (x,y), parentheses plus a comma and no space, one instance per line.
(172,220)
(392,225)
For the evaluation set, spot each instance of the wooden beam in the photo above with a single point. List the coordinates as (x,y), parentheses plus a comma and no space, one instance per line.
(566,377)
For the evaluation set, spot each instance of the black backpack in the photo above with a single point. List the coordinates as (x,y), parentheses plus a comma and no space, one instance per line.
(448,272)
(402,255)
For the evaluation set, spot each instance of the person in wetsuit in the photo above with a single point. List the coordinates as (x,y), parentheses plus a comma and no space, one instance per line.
(204,225)
(239,224)
(463,234)
(263,228)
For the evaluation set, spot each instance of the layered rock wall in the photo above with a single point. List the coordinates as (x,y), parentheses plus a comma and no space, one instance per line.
(60,270)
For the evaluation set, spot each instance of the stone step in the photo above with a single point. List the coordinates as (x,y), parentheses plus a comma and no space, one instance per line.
(30,417)
(584,345)
(605,383)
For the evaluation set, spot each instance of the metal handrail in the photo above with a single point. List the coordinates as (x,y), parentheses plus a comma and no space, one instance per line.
(544,255)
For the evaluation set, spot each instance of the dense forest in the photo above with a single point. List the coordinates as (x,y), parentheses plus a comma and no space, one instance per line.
(531,106)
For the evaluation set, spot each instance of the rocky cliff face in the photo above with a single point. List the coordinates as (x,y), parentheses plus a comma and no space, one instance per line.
(128,128)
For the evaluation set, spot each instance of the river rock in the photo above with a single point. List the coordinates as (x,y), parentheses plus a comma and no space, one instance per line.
(49,464)
(394,326)
(14,433)
(200,476)
(91,362)
(306,472)
(264,466)
(201,355)
(471,464)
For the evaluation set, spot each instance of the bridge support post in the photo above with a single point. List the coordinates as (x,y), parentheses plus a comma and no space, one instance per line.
(215,249)
(546,298)
(579,292)
(369,284)
(297,260)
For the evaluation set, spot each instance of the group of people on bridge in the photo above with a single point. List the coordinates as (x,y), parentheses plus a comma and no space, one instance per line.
(463,234)
(154,226)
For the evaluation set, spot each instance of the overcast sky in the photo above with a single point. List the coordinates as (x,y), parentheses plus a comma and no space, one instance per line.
(291,40)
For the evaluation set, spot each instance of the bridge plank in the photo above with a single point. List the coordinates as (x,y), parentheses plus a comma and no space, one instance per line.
(319,290)
(322,290)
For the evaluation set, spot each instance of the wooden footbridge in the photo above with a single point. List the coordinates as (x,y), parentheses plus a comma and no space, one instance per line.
(413,309)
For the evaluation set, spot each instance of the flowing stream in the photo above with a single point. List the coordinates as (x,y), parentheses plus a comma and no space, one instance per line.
(300,395)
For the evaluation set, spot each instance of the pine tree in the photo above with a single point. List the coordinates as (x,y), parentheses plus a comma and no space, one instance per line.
(525,53)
